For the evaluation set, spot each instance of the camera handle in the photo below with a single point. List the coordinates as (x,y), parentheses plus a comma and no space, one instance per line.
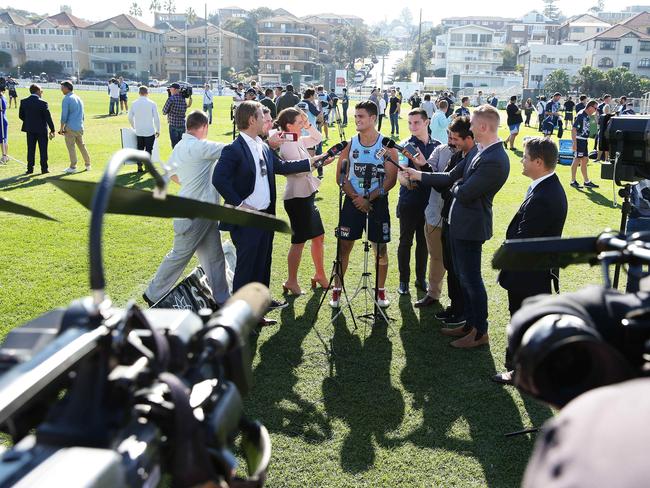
(624,193)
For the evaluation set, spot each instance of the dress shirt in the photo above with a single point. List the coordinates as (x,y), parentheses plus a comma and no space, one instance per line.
(207,97)
(537,182)
(260,199)
(300,185)
(193,160)
(114,90)
(438,161)
(143,117)
(72,112)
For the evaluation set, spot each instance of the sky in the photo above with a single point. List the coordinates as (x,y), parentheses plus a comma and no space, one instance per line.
(370,11)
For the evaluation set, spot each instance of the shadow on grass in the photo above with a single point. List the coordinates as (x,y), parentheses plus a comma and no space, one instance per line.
(598,198)
(360,393)
(133,179)
(105,116)
(27,181)
(274,398)
(462,410)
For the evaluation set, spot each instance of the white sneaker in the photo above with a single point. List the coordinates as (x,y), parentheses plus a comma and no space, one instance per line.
(382,301)
(336,298)
(69,171)
(87,167)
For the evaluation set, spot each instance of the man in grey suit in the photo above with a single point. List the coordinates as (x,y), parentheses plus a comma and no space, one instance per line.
(473,184)
(192,161)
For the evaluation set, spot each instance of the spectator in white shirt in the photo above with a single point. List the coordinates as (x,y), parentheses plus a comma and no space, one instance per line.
(114,95)
(143,117)
(193,160)
(208,101)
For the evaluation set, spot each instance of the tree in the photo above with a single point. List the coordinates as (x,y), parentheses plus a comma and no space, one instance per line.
(406,18)
(621,81)
(557,81)
(241,27)
(381,47)
(509,58)
(350,43)
(52,67)
(261,13)
(86,73)
(599,7)
(551,10)
(169,6)
(154,6)
(590,81)
(135,10)
(5,59)
(191,15)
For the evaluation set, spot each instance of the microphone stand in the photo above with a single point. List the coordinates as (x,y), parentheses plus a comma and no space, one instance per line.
(336,270)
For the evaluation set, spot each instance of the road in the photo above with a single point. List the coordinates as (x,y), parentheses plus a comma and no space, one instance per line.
(389,63)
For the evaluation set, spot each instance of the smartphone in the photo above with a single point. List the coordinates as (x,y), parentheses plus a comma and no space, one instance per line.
(273,132)
(412,150)
(289,136)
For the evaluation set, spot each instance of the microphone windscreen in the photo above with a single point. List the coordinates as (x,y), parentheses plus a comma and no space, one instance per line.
(388,142)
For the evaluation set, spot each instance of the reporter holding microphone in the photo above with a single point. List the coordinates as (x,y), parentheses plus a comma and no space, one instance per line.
(299,199)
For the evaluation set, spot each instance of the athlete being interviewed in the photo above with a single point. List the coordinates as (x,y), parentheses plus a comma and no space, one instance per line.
(363,195)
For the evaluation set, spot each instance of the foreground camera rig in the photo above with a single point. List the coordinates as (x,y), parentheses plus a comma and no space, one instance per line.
(96,396)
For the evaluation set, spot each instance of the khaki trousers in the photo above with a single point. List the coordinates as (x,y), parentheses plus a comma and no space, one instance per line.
(72,138)
(436,265)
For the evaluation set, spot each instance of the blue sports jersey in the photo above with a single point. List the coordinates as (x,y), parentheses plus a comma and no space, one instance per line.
(462,112)
(361,157)
(581,125)
(551,107)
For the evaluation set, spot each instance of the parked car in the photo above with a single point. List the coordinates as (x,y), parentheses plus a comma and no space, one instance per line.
(359,77)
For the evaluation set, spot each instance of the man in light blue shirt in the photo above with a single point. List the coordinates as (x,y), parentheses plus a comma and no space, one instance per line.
(72,126)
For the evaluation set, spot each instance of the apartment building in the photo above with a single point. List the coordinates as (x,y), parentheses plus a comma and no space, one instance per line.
(581,27)
(539,60)
(125,44)
(62,38)
(12,36)
(287,44)
(626,44)
(237,53)
(531,27)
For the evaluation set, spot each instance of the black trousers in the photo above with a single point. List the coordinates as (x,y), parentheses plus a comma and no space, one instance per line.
(254,247)
(453,285)
(515,299)
(411,223)
(32,139)
(381,117)
(145,143)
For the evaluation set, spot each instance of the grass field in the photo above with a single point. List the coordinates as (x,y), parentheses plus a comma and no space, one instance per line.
(399,408)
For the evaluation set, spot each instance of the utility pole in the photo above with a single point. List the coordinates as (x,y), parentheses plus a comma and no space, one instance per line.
(186,54)
(220,47)
(207,75)
(381,84)
(417,75)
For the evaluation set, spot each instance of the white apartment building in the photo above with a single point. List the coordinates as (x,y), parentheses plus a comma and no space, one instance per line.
(12,36)
(539,60)
(581,27)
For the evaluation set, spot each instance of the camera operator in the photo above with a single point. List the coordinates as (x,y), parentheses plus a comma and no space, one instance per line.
(415,101)
(175,108)
(250,95)
(542,214)
(363,195)
(473,185)
(410,212)
(192,162)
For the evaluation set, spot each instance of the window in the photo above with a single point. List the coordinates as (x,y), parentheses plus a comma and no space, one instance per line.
(607,45)
(644,46)
(43,31)
(578,30)
(606,63)
(644,63)
(626,65)
(99,34)
(628,49)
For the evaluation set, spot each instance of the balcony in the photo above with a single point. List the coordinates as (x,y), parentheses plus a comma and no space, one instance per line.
(284,45)
(287,58)
(460,59)
(491,45)
(279,30)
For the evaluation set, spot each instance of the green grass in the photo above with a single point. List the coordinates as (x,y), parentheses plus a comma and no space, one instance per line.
(400,408)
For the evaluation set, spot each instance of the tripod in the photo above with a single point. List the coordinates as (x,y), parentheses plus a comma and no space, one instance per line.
(336,266)
(624,193)
(339,122)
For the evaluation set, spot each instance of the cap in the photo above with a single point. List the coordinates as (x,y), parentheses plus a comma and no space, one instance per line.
(175,85)
(251,90)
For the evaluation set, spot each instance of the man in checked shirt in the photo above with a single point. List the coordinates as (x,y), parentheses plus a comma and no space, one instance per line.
(175,109)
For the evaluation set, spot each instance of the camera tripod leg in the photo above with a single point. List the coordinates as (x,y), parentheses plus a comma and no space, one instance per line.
(625,211)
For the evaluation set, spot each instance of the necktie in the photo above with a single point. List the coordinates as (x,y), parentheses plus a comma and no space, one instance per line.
(528,192)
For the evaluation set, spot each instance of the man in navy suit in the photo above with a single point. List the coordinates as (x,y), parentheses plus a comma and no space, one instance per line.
(542,214)
(245,178)
(36,118)
(474,183)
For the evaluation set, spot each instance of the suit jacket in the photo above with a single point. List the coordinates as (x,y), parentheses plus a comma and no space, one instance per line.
(35,115)
(542,214)
(474,182)
(234,174)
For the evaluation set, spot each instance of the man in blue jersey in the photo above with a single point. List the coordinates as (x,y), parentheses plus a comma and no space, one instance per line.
(551,114)
(364,196)
(463,110)
(580,136)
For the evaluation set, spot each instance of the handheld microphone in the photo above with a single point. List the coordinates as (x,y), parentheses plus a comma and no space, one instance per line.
(391,144)
(383,154)
(337,148)
(344,166)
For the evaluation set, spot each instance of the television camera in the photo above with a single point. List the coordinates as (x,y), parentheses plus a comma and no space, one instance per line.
(94,395)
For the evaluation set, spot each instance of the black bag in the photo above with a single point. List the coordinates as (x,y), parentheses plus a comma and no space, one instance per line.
(193,293)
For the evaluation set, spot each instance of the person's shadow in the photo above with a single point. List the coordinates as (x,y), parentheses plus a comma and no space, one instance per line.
(360,393)
(274,397)
(462,410)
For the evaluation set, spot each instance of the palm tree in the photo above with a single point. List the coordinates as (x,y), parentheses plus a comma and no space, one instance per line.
(135,10)
(154,6)
(170,6)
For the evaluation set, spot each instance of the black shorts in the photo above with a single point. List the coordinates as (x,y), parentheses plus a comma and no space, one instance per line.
(353,221)
(581,148)
(13,94)
(568,116)
(124,98)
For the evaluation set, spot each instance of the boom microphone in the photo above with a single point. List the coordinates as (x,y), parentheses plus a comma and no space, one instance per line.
(391,144)
(337,148)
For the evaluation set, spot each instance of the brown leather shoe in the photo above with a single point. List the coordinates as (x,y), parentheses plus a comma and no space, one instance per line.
(470,341)
(456,331)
